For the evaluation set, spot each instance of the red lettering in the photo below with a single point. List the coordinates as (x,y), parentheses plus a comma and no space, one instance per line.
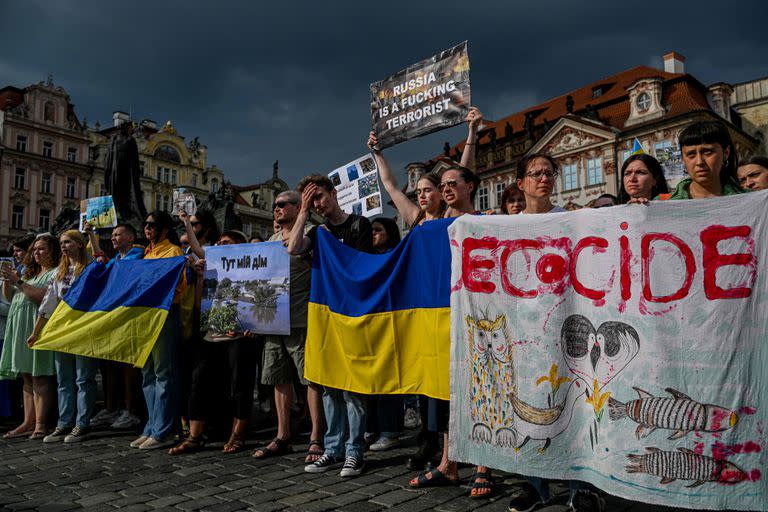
(551,268)
(600,244)
(509,249)
(645,255)
(713,260)
(476,270)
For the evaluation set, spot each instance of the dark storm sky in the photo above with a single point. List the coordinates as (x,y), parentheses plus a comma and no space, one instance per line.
(264,81)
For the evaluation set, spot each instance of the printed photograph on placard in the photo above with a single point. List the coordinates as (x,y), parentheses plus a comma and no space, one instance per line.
(368,185)
(372,202)
(335,179)
(184,200)
(357,186)
(368,165)
(352,173)
(99,211)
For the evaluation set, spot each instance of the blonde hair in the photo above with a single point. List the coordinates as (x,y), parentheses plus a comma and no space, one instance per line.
(80,261)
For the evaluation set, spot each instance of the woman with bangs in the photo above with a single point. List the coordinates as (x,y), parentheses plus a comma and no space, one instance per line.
(35,367)
(76,375)
(642,179)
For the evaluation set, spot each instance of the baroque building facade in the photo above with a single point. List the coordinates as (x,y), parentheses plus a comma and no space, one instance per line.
(590,131)
(44,158)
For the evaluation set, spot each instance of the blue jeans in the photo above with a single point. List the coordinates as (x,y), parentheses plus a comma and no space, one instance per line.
(344,409)
(76,377)
(161,380)
(542,487)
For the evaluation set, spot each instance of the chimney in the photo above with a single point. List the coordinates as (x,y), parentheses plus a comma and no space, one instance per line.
(119,118)
(674,63)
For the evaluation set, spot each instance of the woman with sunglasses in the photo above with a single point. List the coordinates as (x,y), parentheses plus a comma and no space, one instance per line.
(161,371)
(430,204)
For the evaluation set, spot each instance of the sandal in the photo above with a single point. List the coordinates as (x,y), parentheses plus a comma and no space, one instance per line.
(37,435)
(438,479)
(313,455)
(489,483)
(189,445)
(265,452)
(235,444)
(16,433)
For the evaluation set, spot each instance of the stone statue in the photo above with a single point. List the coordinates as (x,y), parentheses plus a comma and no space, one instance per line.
(529,124)
(569,104)
(492,136)
(68,218)
(194,147)
(122,174)
(447,149)
(508,131)
(274,170)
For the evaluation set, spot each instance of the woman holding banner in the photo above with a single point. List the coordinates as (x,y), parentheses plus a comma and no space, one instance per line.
(430,205)
(76,375)
(35,367)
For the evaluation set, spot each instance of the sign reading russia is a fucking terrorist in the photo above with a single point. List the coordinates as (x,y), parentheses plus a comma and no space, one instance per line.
(423,98)
(623,346)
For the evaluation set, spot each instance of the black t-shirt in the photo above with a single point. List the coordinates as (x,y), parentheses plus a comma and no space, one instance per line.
(354,232)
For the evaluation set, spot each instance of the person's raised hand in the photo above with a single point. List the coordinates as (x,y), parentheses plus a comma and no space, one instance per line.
(87,227)
(474,116)
(639,200)
(184,217)
(373,142)
(308,196)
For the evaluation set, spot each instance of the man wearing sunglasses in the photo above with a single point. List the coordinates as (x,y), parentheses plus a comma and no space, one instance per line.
(285,354)
(342,408)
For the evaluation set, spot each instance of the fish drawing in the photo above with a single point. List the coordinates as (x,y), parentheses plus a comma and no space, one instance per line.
(679,413)
(684,464)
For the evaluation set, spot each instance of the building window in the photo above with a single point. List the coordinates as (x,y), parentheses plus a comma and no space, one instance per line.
(214,185)
(247,229)
(570,176)
(102,189)
(482,199)
(45,183)
(48,149)
(166,203)
(594,171)
(499,191)
(643,102)
(159,174)
(17,217)
(141,166)
(71,184)
(174,177)
(49,112)
(166,175)
(21,143)
(20,179)
(194,179)
(624,155)
(72,154)
(45,219)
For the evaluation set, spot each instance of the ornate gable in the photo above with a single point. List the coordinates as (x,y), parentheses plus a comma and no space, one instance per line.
(572,134)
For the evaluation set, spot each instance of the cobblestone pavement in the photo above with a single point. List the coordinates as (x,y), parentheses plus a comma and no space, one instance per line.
(103,473)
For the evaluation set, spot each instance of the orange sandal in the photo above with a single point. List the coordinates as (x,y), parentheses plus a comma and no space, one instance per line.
(189,445)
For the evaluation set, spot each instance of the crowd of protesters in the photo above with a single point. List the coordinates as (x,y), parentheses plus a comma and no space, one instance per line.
(187,374)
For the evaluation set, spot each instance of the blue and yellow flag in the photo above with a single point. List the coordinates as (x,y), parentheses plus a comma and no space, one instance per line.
(114,312)
(637,148)
(380,323)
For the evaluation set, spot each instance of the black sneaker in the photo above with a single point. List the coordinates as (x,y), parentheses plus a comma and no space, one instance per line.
(353,466)
(587,501)
(78,434)
(525,500)
(321,465)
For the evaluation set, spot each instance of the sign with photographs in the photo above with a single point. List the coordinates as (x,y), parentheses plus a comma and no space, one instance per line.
(423,98)
(246,288)
(357,187)
(184,200)
(99,212)
(671,159)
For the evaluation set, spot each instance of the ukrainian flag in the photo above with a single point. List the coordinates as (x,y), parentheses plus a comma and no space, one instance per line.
(380,323)
(637,148)
(114,312)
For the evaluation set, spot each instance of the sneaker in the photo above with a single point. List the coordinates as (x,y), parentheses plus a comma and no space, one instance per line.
(138,442)
(321,465)
(57,435)
(104,417)
(353,466)
(153,444)
(78,434)
(369,438)
(587,501)
(525,500)
(412,419)
(126,421)
(385,443)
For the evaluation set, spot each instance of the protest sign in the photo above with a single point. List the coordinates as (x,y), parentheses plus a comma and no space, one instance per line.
(246,288)
(622,346)
(184,200)
(357,186)
(423,98)
(99,212)
(671,159)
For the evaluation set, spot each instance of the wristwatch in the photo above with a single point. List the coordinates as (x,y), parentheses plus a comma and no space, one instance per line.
(19,283)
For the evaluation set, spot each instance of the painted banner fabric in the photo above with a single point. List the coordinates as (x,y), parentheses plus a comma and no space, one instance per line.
(246,288)
(357,187)
(114,312)
(620,346)
(423,98)
(379,323)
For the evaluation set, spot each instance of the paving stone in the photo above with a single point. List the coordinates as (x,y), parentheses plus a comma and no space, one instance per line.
(305,497)
(361,506)
(198,504)
(376,489)
(95,499)
(395,497)
(268,507)
(228,506)
(166,501)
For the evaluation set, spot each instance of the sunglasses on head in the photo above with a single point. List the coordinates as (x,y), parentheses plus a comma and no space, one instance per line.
(282,204)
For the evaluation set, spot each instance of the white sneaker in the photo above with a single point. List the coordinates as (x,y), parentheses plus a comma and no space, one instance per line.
(353,466)
(138,442)
(412,419)
(104,417)
(58,435)
(126,421)
(152,444)
(385,443)
(78,434)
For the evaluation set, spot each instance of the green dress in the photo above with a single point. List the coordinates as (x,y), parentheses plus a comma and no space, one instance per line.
(17,357)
